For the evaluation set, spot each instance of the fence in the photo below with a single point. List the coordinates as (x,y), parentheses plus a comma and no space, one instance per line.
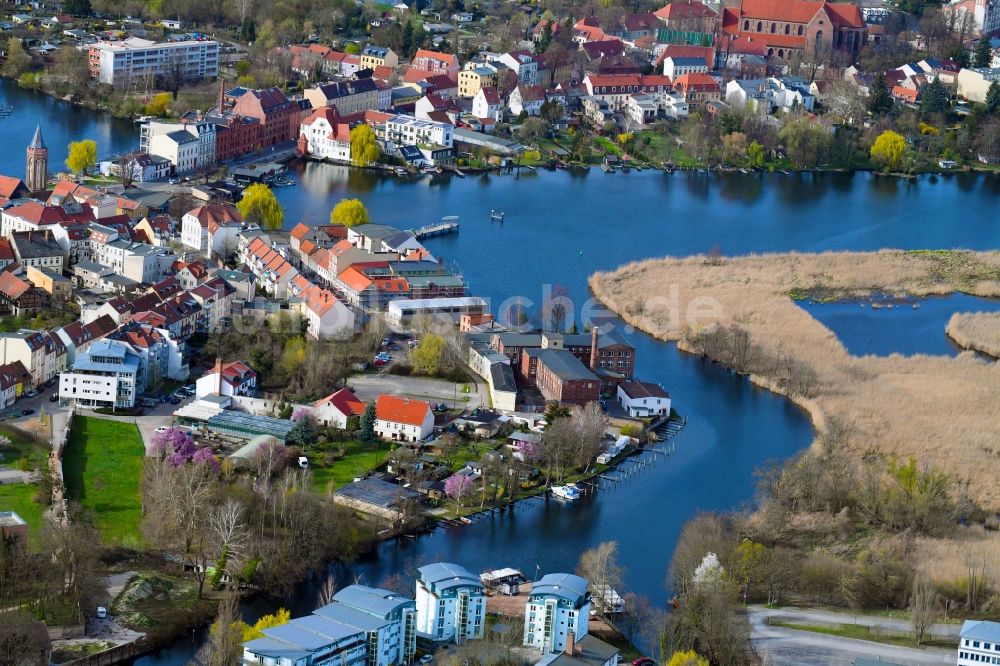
(113,656)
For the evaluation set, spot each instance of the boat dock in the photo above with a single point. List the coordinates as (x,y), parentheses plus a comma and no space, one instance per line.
(447,225)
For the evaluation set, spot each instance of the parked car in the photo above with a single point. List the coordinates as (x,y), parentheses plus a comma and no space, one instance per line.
(379,362)
(174,400)
(54,397)
(162,429)
(643,661)
(303,462)
(27,412)
(426,659)
(190,389)
(32,393)
(102,612)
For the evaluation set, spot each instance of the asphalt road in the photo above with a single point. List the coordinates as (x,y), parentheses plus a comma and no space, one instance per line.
(805,648)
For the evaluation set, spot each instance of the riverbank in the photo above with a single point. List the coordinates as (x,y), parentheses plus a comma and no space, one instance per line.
(978,331)
(937,409)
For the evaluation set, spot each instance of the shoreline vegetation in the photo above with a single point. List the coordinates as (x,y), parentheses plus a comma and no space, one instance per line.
(894,504)
(978,331)
(942,405)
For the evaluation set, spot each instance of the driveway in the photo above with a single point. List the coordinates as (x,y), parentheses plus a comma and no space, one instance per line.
(369,387)
(806,648)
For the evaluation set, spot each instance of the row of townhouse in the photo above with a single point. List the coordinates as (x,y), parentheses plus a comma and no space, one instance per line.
(212,230)
(42,353)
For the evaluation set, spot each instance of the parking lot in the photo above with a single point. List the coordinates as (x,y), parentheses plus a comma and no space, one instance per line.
(369,386)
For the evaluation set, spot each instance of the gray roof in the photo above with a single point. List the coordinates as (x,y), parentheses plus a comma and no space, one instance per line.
(520,339)
(981,630)
(267,647)
(375,491)
(181,136)
(381,232)
(445,575)
(372,600)
(35,244)
(503,377)
(590,651)
(251,424)
(570,587)
(562,362)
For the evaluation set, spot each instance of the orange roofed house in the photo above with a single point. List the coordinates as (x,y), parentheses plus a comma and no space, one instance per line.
(809,28)
(336,408)
(402,419)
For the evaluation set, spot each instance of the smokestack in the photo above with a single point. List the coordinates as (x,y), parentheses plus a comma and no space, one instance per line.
(570,643)
(222,93)
(218,370)
(593,348)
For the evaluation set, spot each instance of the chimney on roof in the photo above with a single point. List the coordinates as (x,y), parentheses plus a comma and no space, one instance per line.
(593,348)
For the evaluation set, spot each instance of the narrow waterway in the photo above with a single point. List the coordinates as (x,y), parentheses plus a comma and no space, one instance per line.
(559,228)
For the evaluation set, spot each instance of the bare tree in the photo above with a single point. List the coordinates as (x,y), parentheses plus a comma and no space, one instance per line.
(591,424)
(228,530)
(559,441)
(600,567)
(924,608)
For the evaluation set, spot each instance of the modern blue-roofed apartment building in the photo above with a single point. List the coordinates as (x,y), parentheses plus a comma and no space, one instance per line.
(362,626)
(451,603)
(558,606)
(979,643)
(109,374)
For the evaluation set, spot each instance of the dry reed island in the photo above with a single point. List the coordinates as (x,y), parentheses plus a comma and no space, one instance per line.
(941,411)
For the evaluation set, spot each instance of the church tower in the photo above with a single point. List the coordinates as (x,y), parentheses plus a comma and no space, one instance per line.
(37,172)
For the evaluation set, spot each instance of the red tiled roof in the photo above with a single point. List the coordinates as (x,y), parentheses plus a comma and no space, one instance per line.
(9,185)
(680,10)
(845,14)
(695,82)
(12,286)
(344,402)
(794,11)
(491,94)
(221,214)
(401,410)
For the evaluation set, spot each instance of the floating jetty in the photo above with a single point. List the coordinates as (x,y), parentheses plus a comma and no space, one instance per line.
(447,225)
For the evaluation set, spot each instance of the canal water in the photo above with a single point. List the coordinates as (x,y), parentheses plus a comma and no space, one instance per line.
(560,227)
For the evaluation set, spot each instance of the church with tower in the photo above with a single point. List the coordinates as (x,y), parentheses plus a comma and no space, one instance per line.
(37,170)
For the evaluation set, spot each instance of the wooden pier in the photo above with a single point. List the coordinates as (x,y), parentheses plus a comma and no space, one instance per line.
(496,216)
(447,225)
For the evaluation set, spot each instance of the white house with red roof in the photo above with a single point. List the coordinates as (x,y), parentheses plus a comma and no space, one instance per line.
(336,408)
(521,63)
(403,419)
(643,399)
(327,316)
(195,226)
(487,104)
(527,99)
(236,378)
(325,136)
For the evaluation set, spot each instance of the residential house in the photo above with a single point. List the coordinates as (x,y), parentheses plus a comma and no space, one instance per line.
(349,97)
(487,104)
(38,249)
(643,399)
(235,378)
(698,89)
(375,56)
(19,297)
(325,136)
(477,75)
(974,83)
(559,376)
(107,375)
(277,116)
(675,67)
(403,419)
(14,380)
(334,410)
(978,643)
(527,99)
(224,218)
(689,16)
(451,603)
(436,63)
(522,63)
(180,148)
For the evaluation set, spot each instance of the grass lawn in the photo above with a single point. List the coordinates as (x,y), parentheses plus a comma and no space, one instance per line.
(358,459)
(103,469)
(18,497)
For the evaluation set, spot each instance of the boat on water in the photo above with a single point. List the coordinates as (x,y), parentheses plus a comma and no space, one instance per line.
(464,520)
(568,492)
(606,168)
(401,172)
(283,182)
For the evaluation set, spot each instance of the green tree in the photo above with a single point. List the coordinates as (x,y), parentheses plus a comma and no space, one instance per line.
(352,49)
(349,213)
(158,105)
(364,148)
(77,7)
(755,155)
(888,149)
(806,143)
(367,433)
(880,101)
(82,156)
(18,60)
(426,358)
(993,98)
(259,206)
(554,411)
(935,97)
(303,432)
(982,55)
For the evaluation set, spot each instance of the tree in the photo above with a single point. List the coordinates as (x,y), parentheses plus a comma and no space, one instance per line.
(599,565)
(225,643)
(755,155)
(364,148)
(559,443)
(923,607)
(687,658)
(880,101)
(18,60)
(935,97)
(533,130)
(82,156)
(279,617)
(982,55)
(77,7)
(303,432)
(158,105)
(807,143)
(888,149)
(259,206)
(426,358)
(734,147)
(993,98)
(555,410)
(591,424)
(367,433)
(349,213)
(457,486)
(987,141)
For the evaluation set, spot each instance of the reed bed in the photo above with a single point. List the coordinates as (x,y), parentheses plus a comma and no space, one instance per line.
(979,331)
(941,410)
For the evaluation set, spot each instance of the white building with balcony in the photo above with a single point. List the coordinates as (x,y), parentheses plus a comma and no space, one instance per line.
(109,374)
(559,606)
(451,603)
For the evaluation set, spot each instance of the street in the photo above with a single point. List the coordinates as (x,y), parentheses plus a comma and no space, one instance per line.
(806,648)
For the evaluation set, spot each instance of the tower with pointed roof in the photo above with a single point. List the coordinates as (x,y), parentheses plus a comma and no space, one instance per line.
(37,171)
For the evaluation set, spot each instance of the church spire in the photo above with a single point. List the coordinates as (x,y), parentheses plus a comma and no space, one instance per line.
(37,141)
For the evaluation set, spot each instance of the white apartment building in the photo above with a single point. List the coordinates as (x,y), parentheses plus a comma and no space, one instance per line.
(180,148)
(134,58)
(403,130)
(136,261)
(451,603)
(403,420)
(559,605)
(979,643)
(674,67)
(363,626)
(325,137)
(202,130)
(107,375)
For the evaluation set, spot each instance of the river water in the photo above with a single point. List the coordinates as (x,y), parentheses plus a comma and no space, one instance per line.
(559,228)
